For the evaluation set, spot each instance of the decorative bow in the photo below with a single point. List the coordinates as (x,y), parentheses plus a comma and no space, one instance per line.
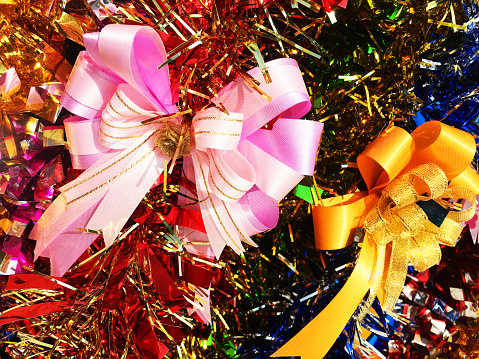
(410,171)
(398,217)
(125,114)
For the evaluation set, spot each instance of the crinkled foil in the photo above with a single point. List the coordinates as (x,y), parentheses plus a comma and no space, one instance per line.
(366,65)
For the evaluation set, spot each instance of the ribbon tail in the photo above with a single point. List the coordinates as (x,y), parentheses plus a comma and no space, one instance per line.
(238,221)
(375,280)
(53,222)
(58,237)
(187,234)
(218,228)
(106,204)
(57,231)
(219,224)
(397,272)
(242,221)
(336,314)
(122,199)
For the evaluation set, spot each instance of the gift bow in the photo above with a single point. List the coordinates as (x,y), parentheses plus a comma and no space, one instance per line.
(124,106)
(398,217)
(388,164)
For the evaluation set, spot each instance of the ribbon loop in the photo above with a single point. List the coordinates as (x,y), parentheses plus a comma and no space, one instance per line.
(121,122)
(448,233)
(406,189)
(433,177)
(89,88)
(401,192)
(447,147)
(135,54)
(461,193)
(412,218)
(127,104)
(379,165)
(230,175)
(215,129)
(424,252)
(84,147)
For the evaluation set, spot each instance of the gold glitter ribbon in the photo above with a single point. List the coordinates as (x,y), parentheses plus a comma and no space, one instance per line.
(398,219)
(400,169)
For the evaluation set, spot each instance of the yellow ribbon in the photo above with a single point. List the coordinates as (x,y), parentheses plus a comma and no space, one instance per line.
(398,168)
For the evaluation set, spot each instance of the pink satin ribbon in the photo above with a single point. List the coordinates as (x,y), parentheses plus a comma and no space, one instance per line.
(241,170)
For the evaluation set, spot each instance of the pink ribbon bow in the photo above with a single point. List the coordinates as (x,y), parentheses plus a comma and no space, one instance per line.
(240,169)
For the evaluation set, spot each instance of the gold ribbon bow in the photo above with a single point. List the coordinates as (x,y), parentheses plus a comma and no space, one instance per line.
(398,218)
(400,170)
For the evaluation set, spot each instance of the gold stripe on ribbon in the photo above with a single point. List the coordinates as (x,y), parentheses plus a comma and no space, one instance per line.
(109,166)
(221,174)
(218,133)
(119,114)
(214,208)
(119,137)
(114,177)
(125,104)
(216,118)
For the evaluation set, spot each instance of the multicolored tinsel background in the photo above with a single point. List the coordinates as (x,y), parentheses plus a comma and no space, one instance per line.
(366,65)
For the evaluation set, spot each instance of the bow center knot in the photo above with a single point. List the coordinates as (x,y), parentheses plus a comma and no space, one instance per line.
(399,213)
(174,140)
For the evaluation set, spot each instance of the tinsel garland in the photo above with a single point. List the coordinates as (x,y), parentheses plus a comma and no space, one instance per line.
(366,66)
